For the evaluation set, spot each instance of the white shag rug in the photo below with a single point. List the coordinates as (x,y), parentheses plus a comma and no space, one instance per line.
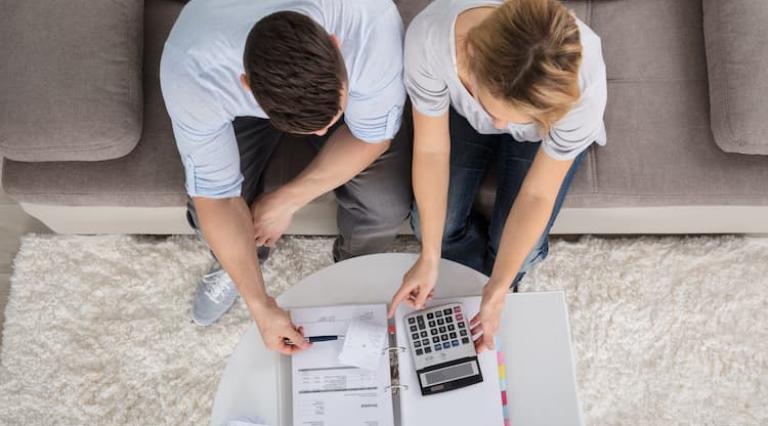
(665,330)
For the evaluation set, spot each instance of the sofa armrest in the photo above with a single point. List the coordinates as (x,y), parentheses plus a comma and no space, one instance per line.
(70,79)
(736,35)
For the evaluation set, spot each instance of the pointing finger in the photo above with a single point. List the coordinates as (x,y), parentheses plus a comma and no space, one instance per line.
(398,297)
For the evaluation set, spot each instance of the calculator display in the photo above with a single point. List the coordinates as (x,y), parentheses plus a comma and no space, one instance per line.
(451,373)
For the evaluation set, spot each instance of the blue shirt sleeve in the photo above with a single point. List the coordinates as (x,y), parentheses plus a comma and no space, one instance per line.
(204,134)
(375,105)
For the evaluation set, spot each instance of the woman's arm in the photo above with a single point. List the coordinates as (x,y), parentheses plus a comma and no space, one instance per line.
(431,168)
(528,217)
(525,223)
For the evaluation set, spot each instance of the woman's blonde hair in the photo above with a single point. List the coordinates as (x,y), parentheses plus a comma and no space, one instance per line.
(528,52)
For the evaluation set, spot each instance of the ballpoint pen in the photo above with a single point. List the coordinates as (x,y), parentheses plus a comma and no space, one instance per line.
(313,339)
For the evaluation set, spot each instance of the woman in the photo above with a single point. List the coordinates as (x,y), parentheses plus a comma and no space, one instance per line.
(520,83)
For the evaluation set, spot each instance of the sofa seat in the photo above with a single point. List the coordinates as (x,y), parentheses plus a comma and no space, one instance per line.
(660,150)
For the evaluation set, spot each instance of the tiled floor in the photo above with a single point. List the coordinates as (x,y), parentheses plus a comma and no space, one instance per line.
(13,224)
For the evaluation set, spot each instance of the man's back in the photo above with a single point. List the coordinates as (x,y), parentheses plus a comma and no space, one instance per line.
(204,52)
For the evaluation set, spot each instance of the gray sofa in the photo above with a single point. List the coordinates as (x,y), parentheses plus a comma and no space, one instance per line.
(88,148)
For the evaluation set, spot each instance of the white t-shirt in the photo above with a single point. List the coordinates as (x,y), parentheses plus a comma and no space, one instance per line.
(203,60)
(433,84)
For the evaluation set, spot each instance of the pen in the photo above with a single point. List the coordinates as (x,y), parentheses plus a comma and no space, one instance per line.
(313,339)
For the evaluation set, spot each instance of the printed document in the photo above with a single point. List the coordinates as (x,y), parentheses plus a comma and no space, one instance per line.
(327,392)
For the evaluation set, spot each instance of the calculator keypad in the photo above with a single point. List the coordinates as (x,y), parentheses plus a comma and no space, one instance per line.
(440,329)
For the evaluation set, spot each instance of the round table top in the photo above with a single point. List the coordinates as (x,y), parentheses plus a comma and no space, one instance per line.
(249,387)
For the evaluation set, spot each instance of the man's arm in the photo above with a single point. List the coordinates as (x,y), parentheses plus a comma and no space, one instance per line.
(342,157)
(226,225)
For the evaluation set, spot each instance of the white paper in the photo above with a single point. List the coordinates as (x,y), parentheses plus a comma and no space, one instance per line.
(327,392)
(247,422)
(363,345)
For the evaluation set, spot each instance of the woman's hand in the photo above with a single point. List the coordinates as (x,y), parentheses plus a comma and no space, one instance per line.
(485,324)
(417,284)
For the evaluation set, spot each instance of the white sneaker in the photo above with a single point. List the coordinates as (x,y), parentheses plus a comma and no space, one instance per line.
(215,294)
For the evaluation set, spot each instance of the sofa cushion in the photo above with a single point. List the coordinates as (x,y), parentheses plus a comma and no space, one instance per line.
(151,175)
(70,79)
(660,150)
(735,34)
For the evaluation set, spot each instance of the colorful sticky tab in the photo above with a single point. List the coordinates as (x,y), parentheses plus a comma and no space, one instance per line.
(502,382)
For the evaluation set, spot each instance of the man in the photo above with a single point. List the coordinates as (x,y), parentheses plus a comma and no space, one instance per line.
(239,74)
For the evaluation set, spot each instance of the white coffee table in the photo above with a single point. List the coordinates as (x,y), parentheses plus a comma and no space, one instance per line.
(535,338)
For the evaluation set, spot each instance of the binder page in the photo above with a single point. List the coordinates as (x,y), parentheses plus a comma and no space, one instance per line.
(325,391)
(479,404)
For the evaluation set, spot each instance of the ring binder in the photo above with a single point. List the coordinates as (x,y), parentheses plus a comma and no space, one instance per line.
(388,389)
(395,389)
(400,349)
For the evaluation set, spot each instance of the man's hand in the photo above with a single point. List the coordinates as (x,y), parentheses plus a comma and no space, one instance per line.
(272,213)
(417,285)
(485,324)
(342,157)
(276,327)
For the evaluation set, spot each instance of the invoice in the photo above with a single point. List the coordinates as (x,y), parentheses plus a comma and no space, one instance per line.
(327,392)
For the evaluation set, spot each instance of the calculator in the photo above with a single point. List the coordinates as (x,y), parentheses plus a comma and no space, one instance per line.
(442,348)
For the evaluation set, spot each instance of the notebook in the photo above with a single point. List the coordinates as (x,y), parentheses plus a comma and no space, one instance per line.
(326,392)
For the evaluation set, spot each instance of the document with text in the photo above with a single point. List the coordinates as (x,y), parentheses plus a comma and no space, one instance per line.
(328,392)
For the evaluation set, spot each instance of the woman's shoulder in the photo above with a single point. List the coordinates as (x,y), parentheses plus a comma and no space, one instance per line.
(583,123)
(592,75)
(427,38)
(592,61)
(428,21)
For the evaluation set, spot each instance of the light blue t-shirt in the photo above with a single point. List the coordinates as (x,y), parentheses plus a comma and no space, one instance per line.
(203,60)
(433,84)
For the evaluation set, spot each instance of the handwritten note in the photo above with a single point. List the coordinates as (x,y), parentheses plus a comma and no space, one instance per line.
(363,345)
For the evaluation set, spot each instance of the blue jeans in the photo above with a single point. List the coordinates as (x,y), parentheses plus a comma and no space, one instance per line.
(469,238)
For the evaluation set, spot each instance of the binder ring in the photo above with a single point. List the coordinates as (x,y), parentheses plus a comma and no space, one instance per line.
(392,349)
(396,388)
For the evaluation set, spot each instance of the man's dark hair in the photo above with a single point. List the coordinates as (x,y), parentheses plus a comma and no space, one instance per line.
(295,71)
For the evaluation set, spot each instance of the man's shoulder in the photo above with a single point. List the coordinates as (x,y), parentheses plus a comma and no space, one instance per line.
(189,100)
(178,70)
(370,7)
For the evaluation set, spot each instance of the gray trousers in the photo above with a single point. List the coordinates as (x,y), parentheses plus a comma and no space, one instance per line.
(372,205)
